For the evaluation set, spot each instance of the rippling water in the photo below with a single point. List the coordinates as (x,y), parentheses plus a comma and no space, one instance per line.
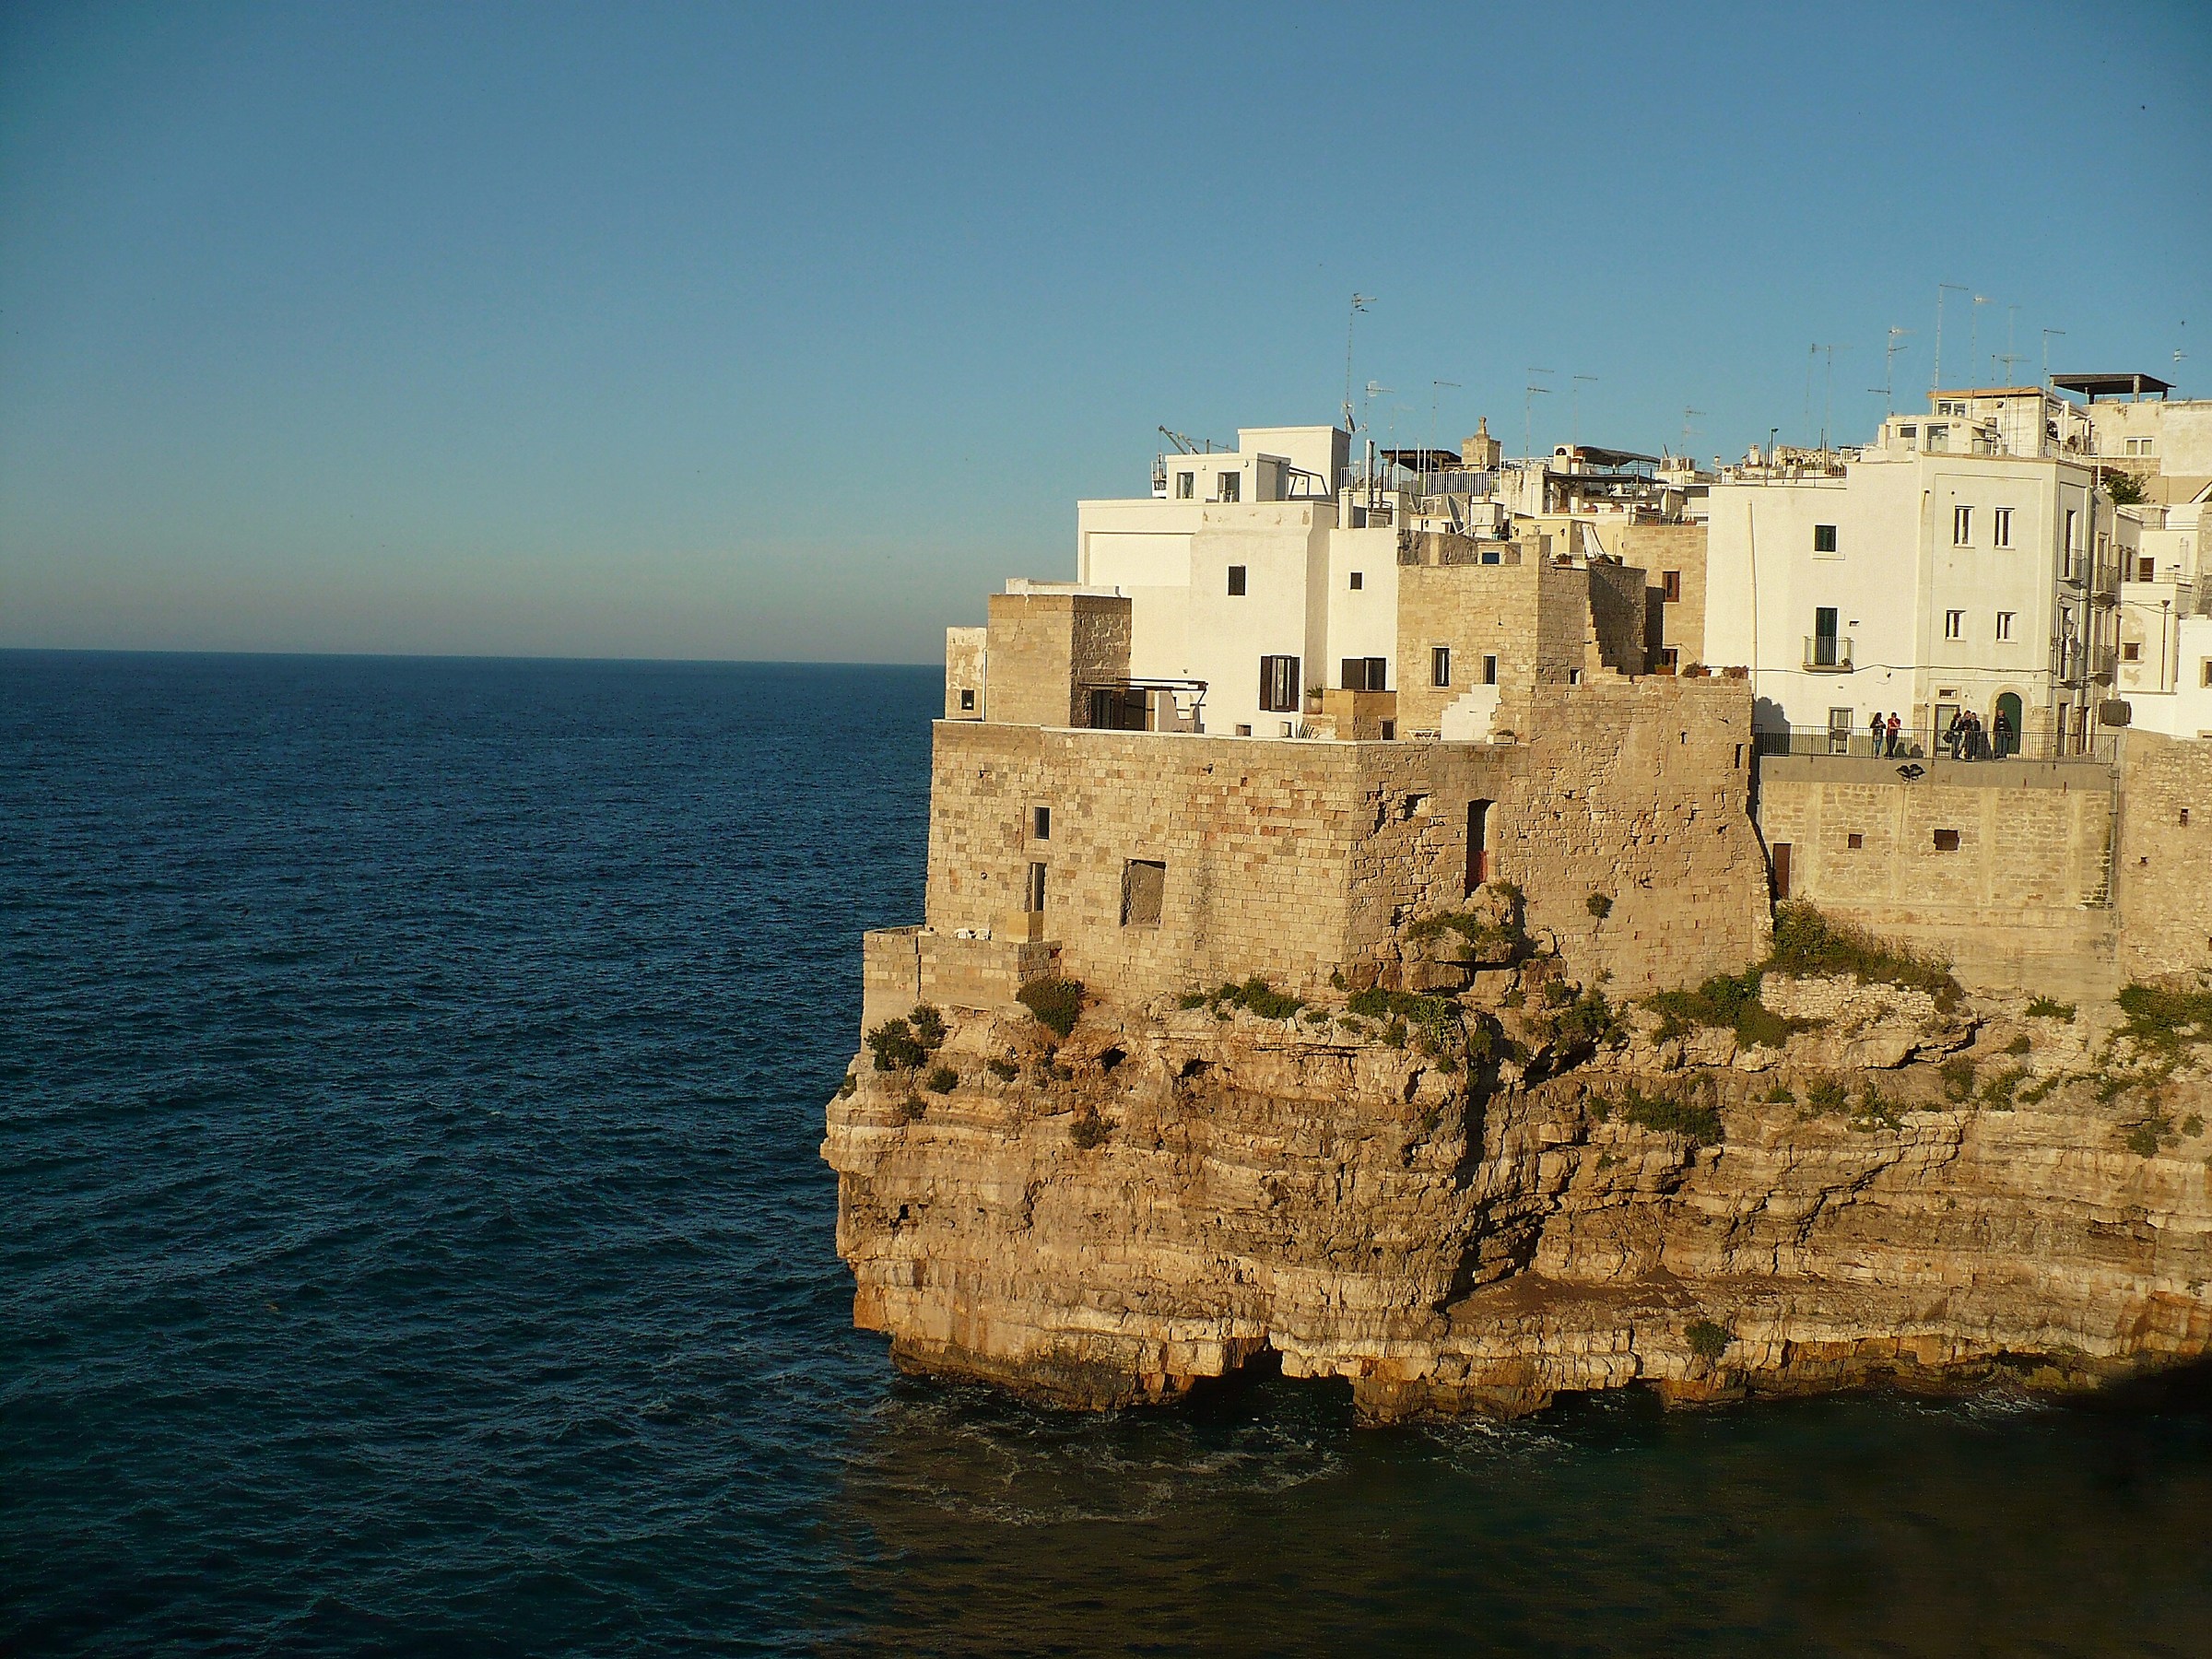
(415,1239)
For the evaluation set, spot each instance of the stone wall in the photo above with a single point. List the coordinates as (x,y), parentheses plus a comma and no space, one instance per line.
(2164,871)
(964,651)
(1294,859)
(901,967)
(2000,868)
(1659,549)
(1534,616)
(1618,615)
(1042,646)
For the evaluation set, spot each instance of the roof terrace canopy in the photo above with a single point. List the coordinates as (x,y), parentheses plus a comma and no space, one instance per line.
(2094,387)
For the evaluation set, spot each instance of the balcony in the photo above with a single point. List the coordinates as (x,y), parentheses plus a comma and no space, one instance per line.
(1825,653)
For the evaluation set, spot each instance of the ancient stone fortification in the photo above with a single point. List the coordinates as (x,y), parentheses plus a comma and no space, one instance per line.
(1899,1191)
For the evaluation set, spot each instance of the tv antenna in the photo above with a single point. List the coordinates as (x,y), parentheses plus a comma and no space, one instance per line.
(1574,408)
(1888,356)
(1936,377)
(1436,392)
(1359,303)
(1973,326)
(1529,393)
(1828,395)
(2011,311)
(1686,413)
(2047,334)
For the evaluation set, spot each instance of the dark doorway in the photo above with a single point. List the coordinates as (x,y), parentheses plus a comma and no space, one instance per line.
(1478,844)
(1781,870)
(2006,729)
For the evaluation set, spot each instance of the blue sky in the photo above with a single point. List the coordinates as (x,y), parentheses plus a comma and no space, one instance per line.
(702,331)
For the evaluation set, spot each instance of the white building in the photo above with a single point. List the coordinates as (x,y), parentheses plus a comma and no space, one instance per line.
(1922,582)
(2133,420)
(2165,668)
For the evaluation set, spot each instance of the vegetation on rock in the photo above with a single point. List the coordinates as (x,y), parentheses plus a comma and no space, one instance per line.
(1056,1003)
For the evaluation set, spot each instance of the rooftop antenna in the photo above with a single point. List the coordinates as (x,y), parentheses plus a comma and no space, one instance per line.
(1828,404)
(2009,358)
(1812,356)
(2011,311)
(2047,334)
(1574,408)
(1436,392)
(1529,393)
(1936,379)
(1359,303)
(1889,380)
(1184,446)
(1973,325)
(1686,413)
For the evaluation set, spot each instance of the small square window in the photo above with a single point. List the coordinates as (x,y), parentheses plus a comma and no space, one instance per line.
(1243,731)
(2147,569)
(2205,673)
(1186,486)
(1489,671)
(1824,538)
(1670,659)
(1390,731)
(2130,651)
(1041,822)
(1359,580)
(1440,666)
(1232,487)
(2184,817)
(1670,586)
(1947,841)
(1236,582)
(1954,625)
(1855,841)
(966,697)
(2005,625)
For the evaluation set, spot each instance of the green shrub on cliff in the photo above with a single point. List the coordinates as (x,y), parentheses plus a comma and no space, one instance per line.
(1056,1003)
(895,1047)
(943,1081)
(1696,1121)
(1808,945)
(2044,1008)
(1088,1130)
(1726,999)
(1708,1341)
(1958,1080)
(2158,1018)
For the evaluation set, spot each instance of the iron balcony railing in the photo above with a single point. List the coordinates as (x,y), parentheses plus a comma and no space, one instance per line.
(1923,743)
(1825,653)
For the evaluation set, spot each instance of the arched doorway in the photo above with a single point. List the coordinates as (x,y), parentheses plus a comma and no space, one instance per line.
(2006,722)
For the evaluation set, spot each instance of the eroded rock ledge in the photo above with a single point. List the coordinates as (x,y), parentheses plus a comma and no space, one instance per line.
(1171,1191)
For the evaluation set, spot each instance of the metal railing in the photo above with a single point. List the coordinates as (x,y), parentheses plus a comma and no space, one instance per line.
(1923,743)
(1825,653)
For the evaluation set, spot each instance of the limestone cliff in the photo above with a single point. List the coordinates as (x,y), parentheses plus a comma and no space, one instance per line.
(1542,1200)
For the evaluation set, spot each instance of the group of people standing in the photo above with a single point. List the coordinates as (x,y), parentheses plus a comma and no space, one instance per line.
(1964,739)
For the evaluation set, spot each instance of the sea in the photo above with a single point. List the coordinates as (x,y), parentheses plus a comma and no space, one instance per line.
(414,1239)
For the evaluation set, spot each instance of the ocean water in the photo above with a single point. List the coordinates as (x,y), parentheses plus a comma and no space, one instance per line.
(413,1239)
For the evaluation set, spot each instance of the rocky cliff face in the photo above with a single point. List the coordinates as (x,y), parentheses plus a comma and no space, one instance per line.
(1483,1213)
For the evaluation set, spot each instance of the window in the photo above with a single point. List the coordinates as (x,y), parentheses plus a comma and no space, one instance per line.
(2184,817)
(1359,580)
(1232,487)
(1954,625)
(2130,651)
(1033,894)
(2073,541)
(2138,446)
(1041,822)
(1911,434)
(1364,674)
(1236,582)
(2146,569)
(1939,436)
(1243,731)
(1670,659)
(1670,586)
(1390,731)
(2205,679)
(1947,841)
(1144,884)
(2005,625)
(1945,408)
(1279,685)
(1478,844)
(2000,527)
(1824,538)
(967,699)
(1962,526)
(1186,486)
(1489,671)
(1439,665)
(1855,841)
